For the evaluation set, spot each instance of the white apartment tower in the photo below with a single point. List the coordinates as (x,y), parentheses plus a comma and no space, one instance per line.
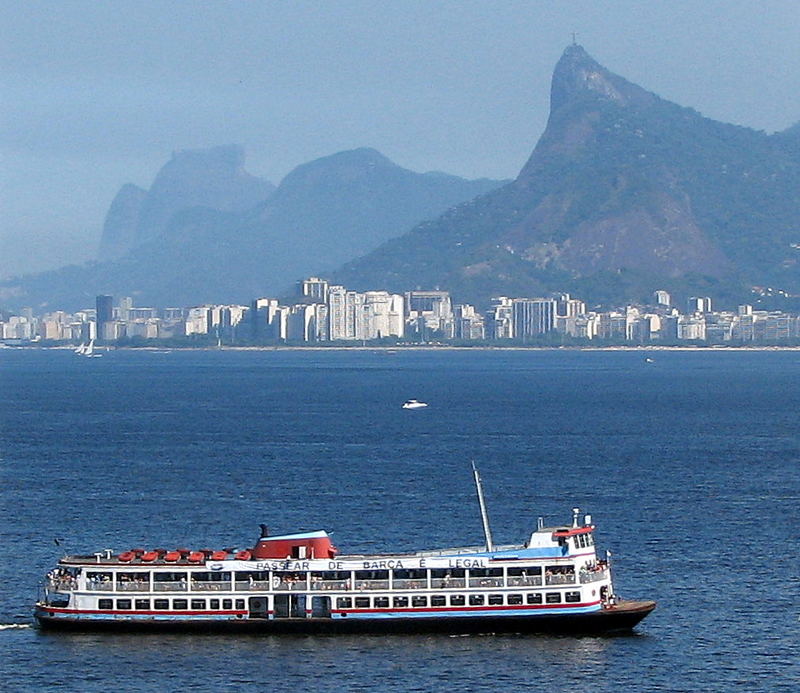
(533,316)
(382,315)
(315,288)
(662,298)
(363,316)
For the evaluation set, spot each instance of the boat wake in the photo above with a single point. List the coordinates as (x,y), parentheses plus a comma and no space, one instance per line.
(14,626)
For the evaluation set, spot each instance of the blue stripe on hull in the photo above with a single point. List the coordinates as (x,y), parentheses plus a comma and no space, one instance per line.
(134,617)
(350,615)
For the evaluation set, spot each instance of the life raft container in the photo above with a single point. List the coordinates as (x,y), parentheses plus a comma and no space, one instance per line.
(219,555)
(243,555)
(127,556)
(172,556)
(148,556)
(196,557)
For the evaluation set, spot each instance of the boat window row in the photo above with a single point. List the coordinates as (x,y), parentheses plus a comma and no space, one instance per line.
(397,602)
(171,604)
(583,541)
(441,600)
(357,580)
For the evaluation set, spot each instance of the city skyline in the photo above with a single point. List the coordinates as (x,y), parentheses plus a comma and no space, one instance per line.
(328,314)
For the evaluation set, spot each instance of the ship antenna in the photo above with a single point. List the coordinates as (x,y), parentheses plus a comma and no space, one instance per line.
(487,532)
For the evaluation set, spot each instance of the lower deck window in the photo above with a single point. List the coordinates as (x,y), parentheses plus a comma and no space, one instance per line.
(213,604)
(142,604)
(496,599)
(553,597)
(344,603)
(105,604)
(572,597)
(227,604)
(179,604)
(362,602)
(514,599)
(161,604)
(535,598)
(381,602)
(400,602)
(123,604)
(199,604)
(438,600)
(419,601)
(240,604)
(457,600)
(476,600)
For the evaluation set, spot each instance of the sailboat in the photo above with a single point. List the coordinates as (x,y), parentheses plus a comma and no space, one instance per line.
(90,352)
(81,349)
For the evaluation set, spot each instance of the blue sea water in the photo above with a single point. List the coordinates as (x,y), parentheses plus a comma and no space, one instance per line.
(690,466)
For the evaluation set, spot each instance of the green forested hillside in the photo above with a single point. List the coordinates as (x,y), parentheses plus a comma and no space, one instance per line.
(625,192)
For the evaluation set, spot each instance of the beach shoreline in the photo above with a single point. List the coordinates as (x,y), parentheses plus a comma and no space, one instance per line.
(417,348)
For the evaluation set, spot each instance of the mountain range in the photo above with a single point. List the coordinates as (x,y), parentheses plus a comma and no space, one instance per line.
(208,231)
(624,193)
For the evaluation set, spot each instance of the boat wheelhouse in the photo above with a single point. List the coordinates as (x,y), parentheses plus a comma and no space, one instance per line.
(299,583)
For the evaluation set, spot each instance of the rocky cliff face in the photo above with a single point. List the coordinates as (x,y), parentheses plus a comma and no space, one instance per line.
(213,178)
(624,192)
(122,221)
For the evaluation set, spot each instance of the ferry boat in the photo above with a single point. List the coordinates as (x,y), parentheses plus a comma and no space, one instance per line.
(555,582)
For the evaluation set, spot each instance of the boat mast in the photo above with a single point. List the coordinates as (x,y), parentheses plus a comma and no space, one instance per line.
(487,532)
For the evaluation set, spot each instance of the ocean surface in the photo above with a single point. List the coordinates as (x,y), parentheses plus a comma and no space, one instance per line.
(690,466)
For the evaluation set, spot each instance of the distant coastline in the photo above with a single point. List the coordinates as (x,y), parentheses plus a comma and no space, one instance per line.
(418,347)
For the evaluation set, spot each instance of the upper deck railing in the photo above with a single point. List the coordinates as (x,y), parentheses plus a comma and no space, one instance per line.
(62,584)
(170,586)
(587,576)
(300,582)
(560,579)
(212,586)
(133,586)
(524,580)
(331,584)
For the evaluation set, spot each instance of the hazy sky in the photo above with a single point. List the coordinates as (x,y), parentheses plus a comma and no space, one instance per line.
(97,94)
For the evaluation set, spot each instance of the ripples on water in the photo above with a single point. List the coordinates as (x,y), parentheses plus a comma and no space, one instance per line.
(689,466)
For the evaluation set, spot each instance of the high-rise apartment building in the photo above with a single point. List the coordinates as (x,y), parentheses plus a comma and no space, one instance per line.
(314,288)
(698,304)
(362,316)
(567,307)
(430,311)
(533,317)
(662,298)
(499,319)
(343,313)
(104,315)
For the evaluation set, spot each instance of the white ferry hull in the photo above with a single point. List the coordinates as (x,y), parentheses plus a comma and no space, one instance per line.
(617,618)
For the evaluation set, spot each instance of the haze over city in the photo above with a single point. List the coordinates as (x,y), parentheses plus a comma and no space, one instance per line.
(97,95)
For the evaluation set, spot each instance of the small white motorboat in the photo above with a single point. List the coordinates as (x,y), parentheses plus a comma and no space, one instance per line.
(414,404)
